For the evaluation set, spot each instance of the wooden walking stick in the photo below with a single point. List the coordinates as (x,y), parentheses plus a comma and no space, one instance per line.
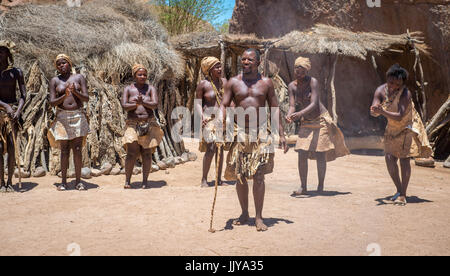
(219,150)
(16,152)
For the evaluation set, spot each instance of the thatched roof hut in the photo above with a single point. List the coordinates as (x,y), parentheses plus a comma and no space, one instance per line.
(321,39)
(325,39)
(104,38)
(103,35)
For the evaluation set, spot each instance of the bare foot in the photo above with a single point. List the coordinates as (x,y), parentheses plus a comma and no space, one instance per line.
(401,201)
(241,220)
(80,187)
(204,183)
(260,226)
(127,186)
(144,185)
(394,197)
(320,188)
(9,188)
(62,187)
(301,191)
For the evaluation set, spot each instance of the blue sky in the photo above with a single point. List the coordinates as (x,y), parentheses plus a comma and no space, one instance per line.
(227,12)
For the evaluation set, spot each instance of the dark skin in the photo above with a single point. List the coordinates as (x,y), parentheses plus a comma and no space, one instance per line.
(68,91)
(251,90)
(394,85)
(206,93)
(9,81)
(139,99)
(306,90)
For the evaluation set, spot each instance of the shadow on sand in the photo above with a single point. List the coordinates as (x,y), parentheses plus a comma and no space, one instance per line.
(150,185)
(224,183)
(71,185)
(26,187)
(269,222)
(409,200)
(312,194)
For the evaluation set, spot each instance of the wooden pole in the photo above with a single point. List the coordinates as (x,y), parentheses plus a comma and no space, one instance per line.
(287,65)
(375,67)
(333,91)
(218,161)
(266,65)
(223,57)
(445,108)
(194,85)
(422,81)
(234,64)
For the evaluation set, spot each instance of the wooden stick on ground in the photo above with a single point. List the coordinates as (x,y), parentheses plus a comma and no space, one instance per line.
(219,150)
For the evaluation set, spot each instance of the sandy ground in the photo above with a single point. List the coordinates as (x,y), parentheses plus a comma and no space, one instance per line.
(172,218)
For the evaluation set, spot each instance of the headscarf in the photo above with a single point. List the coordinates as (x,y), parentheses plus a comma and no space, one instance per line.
(138,67)
(303,62)
(208,63)
(10,46)
(66,58)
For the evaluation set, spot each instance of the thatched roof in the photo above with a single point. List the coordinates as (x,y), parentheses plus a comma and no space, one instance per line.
(325,39)
(197,44)
(204,44)
(321,39)
(102,35)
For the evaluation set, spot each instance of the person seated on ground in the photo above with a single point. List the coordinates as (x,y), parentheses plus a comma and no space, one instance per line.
(10,110)
(143,134)
(318,136)
(405,135)
(209,94)
(68,92)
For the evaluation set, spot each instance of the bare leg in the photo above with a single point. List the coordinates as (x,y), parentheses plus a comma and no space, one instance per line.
(242,192)
(11,163)
(2,170)
(132,154)
(391,162)
(76,145)
(65,153)
(259,189)
(321,169)
(405,165)
(207,160)
(146,165)
(303,171)
(220,164)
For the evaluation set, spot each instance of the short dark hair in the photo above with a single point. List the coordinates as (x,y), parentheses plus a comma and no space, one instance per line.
(257,53)
(397,72)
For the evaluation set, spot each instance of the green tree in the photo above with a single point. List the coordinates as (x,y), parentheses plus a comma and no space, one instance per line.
(224,27)
(184,16)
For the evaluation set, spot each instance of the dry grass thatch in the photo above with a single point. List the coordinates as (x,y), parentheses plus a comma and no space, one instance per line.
(321,39)
(198,44)
(102,35)
(325,39)
(104,38)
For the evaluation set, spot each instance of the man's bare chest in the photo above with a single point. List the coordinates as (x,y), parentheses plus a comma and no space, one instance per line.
(256,91)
